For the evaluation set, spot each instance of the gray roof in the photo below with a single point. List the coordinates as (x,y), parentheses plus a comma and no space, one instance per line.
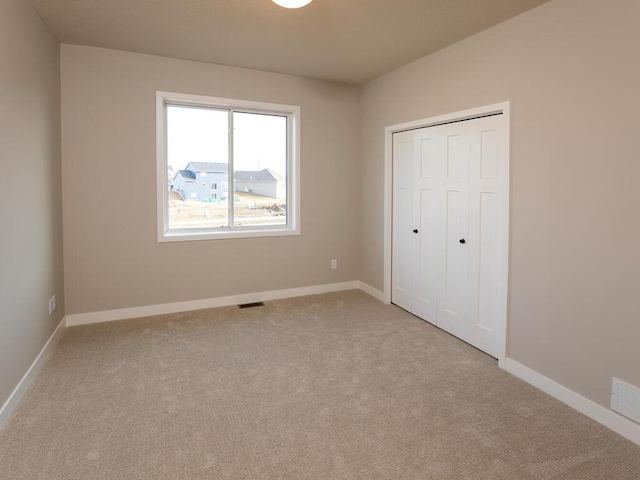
(263,175)
(187,174)
(209,167)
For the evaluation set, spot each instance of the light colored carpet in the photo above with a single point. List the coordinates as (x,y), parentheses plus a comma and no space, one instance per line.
(334,386)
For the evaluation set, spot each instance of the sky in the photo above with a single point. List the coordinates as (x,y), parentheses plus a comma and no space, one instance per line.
(200,135)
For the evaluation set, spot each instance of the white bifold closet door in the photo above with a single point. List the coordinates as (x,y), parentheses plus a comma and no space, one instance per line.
(447,195)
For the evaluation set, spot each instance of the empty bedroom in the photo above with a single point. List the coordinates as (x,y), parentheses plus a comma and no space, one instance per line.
(319,239)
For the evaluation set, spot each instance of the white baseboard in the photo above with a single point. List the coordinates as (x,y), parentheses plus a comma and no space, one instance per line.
(610,419)
(146,311)
(26,381)
(374,292)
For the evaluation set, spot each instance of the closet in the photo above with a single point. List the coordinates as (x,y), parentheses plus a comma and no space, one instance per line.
(449,228)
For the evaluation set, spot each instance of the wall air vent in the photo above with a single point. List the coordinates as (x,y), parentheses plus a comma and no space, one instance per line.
(625,399)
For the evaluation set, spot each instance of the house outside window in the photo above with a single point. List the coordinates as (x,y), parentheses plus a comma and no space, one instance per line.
(251,146)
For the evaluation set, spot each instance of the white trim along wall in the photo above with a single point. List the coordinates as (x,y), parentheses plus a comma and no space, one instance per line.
(610,419)
(16,396)
(149,310)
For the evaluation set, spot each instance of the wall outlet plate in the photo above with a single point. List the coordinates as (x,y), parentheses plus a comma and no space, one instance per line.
(334,264)
(52,304)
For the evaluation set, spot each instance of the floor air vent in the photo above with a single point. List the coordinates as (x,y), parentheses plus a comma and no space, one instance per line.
(251,305)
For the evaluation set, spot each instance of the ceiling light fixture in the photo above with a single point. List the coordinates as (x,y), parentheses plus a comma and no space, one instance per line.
(292,3)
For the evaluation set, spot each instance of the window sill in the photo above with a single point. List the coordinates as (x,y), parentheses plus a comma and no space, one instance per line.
(190,236)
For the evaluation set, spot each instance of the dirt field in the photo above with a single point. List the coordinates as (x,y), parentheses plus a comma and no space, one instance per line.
(248,210)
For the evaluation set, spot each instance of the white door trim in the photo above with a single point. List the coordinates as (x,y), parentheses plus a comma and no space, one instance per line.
(505,109)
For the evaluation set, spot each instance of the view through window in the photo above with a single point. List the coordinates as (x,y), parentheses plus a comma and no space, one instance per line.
(226,169)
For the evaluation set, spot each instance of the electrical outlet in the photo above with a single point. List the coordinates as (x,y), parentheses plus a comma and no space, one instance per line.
(334,264)
(52,304)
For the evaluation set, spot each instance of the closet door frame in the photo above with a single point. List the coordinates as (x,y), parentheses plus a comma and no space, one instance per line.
(503,112)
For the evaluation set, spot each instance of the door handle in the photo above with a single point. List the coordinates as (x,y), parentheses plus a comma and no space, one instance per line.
(463,241)
(415,230)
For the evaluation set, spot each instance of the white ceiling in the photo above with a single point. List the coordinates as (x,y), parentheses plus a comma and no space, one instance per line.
(344,40)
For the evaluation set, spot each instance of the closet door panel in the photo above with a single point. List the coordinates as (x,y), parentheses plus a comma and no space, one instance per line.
(484,224)
(453,252)
(403,237)
(426,150)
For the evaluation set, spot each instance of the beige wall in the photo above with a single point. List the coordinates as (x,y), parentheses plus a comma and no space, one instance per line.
(30,196)
(571,71)
(112,257)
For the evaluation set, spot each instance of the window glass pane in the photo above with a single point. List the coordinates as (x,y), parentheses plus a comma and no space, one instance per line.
(260,169)
(198,165)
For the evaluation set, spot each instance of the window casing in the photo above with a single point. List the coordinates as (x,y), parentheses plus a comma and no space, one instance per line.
(236,183)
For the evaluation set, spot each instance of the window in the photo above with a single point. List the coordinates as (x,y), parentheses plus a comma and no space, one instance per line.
(249,153)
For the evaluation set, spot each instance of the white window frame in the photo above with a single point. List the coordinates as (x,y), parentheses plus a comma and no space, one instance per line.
(244,106)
